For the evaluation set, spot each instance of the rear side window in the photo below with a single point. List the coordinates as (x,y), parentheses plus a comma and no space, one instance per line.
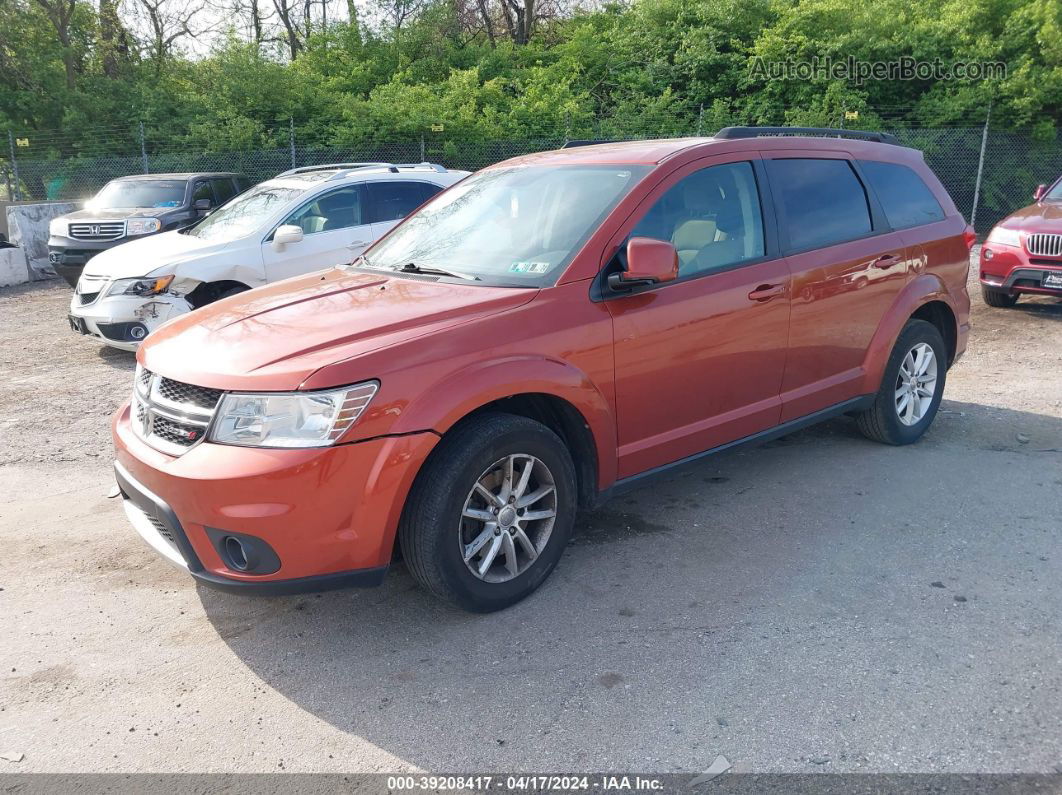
(390,201)
(906,199)
(823,201)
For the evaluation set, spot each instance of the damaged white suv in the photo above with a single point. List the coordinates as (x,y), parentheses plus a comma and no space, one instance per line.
(303,220)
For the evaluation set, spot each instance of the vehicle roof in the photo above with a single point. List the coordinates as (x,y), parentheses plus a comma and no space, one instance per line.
(177,175)
(656,151)
(333,176)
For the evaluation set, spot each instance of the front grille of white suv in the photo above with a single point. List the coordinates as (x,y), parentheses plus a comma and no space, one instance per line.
(169,415)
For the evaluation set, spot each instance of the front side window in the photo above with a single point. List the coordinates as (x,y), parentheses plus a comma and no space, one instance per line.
(338,209)
(390,201)
(712,217)
(246,213)
(510,225)
(224,189)
(905,198)
(139,193)
(202,191)
(823,200)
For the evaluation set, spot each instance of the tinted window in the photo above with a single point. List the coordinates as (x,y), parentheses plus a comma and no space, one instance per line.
(202,191)
(906,199)
(823,201)
(711,216)
(390,201)
(339,209)
(223,189)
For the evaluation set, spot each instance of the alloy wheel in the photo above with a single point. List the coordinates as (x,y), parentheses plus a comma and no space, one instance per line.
(507,518)
(916,384)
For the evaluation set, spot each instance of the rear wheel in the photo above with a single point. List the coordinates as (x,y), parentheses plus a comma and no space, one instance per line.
(488,517)
(911,389)
(998,298)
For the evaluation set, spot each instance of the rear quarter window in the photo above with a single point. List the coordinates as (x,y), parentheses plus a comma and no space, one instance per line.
(905,198)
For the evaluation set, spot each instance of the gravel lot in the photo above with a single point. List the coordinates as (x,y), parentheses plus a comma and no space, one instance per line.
(818,604)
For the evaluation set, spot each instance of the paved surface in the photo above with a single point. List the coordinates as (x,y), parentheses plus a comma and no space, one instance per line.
(819,604)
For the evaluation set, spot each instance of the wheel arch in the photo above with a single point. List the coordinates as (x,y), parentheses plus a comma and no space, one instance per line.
(924,298)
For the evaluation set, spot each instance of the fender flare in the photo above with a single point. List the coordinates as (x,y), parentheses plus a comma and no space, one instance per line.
(479,384)
(921,290)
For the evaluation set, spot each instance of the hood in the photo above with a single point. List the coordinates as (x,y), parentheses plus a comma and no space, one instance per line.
(117,213)
(275,337)
(145,255)
(1040,217)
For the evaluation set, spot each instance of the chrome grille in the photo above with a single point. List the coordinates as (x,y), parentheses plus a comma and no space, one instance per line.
(1044,245)
(97,230)
(169,415)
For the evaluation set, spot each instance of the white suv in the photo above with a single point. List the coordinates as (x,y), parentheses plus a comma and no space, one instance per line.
(303,220)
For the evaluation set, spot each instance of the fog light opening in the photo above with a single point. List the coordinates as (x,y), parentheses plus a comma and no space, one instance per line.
(234,551)
(137,332)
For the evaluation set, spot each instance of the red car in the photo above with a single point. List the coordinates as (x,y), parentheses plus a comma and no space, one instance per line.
(548,331)
(1023,252)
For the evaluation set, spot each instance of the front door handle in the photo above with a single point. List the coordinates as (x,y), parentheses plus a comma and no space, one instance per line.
(765,292)
(358,244)
(885,261)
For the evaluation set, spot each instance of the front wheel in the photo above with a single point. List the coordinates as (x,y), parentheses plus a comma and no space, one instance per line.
(489,515)
(911,389)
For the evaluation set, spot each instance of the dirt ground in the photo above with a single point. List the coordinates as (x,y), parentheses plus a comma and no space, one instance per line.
(819,603)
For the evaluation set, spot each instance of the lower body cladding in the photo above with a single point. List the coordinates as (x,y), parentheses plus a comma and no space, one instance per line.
(123,321)
(270,521)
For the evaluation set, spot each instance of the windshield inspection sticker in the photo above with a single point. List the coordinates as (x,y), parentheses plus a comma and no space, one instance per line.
(529,267)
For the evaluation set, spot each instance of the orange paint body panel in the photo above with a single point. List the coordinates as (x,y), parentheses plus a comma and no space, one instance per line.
(652,376)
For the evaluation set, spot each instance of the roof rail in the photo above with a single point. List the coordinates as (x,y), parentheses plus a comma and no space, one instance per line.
(326,166)
(729,133)
(423,164)
(573,144)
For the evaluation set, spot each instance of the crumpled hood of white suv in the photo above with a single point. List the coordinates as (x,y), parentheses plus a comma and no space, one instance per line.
(145,257)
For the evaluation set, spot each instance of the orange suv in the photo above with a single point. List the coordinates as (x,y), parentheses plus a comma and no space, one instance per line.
(549,330)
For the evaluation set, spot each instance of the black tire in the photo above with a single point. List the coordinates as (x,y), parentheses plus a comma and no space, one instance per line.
(881,422)
(229,291)
(429,530)
(998,298)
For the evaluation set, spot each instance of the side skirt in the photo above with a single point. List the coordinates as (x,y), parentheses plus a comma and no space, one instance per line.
(626,484)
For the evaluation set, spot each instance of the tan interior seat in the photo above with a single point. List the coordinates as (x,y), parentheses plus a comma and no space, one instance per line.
(312,223)
(692,236)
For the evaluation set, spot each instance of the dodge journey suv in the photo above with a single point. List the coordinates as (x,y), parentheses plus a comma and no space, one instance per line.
(546,332)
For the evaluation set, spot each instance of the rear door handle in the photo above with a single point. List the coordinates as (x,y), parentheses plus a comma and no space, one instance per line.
(765,292)
(885,261)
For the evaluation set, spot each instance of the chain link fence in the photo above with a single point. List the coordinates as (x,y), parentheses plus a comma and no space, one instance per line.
(1014,163)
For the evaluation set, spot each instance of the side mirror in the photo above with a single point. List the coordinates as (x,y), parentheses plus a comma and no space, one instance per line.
(203,204)
(285,235)
(649,262)
(1039,192)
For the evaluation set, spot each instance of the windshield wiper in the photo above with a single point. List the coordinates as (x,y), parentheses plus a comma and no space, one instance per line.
(412,267)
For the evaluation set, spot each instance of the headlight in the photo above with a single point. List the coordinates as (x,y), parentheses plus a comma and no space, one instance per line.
(1003,237)
(290,419)
(143,286)
(57,226)
(142,226)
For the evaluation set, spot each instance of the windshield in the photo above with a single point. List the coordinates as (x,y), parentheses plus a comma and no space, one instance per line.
(244,214)
(519,225)
(127,194)
(1055,194)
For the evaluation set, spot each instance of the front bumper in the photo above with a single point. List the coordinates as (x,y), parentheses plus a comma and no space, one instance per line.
(1012,269)
(114,319)
(68,257)
(329,515)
